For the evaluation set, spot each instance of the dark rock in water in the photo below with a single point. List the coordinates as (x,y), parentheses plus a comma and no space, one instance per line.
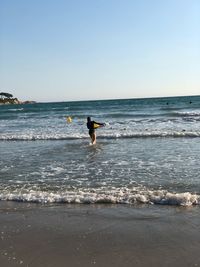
(28,102)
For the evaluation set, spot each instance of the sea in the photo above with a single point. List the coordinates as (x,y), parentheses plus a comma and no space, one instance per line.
(147,153)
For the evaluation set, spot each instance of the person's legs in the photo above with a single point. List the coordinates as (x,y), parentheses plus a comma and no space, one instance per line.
(94,138)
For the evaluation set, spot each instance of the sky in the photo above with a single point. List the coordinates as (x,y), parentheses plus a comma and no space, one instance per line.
(66,50)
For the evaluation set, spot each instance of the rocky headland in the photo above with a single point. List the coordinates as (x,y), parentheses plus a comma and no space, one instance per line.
(7,98)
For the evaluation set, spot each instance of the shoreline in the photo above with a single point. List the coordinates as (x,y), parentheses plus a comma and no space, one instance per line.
(98,235)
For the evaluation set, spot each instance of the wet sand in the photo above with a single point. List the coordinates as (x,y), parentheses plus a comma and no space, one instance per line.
(98,235)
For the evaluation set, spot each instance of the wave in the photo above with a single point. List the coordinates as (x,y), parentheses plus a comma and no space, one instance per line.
(14,109)
(145,134)
(112,196)
(186,113)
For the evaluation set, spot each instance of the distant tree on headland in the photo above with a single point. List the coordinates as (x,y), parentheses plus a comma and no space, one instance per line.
(7,95)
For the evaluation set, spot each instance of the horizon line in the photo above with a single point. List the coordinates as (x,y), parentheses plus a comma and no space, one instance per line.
(112,99)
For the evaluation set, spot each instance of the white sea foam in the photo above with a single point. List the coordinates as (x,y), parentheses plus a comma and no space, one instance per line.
(16,109)
(115,135)
(188,113)
(112,196)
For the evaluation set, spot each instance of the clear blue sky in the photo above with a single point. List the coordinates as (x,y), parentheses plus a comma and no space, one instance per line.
(60,50)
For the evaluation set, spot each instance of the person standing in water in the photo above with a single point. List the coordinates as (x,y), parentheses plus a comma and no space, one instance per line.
(92,125)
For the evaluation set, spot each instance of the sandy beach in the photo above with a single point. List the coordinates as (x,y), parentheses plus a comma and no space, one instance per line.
(98,235)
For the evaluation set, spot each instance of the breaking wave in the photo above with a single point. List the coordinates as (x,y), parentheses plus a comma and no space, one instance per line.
(109,196)
(142,134)
(187,113)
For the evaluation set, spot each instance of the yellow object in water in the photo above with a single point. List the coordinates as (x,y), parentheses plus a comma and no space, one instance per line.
(69,119)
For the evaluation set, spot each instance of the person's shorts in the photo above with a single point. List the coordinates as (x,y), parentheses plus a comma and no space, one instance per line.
(91,131)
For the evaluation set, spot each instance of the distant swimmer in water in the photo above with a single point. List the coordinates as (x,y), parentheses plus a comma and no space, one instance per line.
(92,125)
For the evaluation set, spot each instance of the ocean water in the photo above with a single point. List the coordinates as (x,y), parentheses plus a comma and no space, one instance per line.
(148,152)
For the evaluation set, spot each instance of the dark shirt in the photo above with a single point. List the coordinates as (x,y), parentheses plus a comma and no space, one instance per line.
(90,125)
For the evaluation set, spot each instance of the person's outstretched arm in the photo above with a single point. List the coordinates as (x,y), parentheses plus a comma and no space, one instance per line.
(99,123)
